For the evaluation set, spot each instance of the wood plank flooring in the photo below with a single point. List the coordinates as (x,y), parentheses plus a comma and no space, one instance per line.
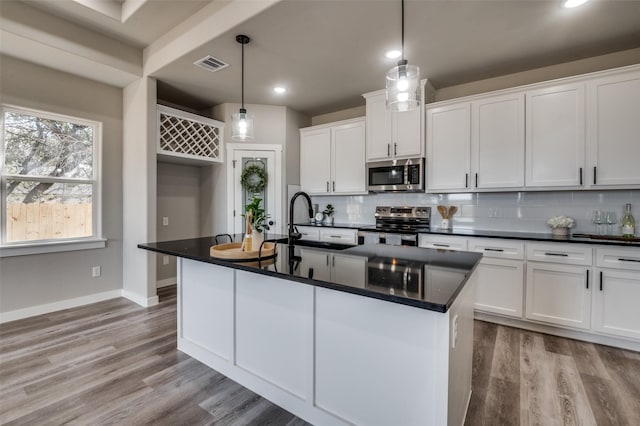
(114,362)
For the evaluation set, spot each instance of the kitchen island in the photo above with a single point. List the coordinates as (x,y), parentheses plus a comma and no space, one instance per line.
(370,335)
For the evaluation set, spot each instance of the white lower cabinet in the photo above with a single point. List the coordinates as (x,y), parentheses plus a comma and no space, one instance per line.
(500,287)
(558,294)
(442,242)
(616,292)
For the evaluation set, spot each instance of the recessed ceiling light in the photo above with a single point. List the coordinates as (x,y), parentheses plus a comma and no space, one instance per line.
(393,54)
(573,3)
(279,89)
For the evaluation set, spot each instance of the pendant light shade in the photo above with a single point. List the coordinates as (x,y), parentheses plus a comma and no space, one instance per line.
(242,122)
(403,83)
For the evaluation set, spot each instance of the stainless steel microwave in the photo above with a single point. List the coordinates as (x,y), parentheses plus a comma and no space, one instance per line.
(396,176)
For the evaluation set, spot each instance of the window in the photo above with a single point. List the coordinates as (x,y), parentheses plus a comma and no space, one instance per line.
(50,169)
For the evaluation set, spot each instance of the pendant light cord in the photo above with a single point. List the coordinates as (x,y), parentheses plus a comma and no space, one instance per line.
(242,88)
(402,35)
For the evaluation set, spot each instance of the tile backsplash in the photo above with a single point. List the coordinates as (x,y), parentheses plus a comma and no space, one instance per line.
(510,211)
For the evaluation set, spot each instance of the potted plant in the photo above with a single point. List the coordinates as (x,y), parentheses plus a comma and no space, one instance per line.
(328,214)
(560,225)
(257,218)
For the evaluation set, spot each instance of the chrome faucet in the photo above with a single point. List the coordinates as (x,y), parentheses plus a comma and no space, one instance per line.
(293,232)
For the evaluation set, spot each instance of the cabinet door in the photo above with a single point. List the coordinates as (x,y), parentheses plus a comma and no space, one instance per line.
(317,261)
(497,142)
(407,141)
(348,158)
(315,161)
(349,270)
(500,287)
(378,129)
(555,136)
(448,147)
(615,130)
(615,303)
(558,294)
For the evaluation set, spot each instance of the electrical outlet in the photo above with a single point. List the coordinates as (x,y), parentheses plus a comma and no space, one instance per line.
(95,271)
(454,333)
(165,221)
(165,260)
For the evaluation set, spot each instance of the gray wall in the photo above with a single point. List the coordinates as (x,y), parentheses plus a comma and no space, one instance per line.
(178,198)
(27,281)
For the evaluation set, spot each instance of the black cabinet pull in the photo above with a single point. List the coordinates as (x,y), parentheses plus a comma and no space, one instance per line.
(334,186)
(580,175)
(594,174)
(587,279)
(327,260)
(557,254)
(466,180)
(388,150)
(395,149)
(600,280)
(492,249)
(327,186)
(440,245)
(476,180)
(622,259)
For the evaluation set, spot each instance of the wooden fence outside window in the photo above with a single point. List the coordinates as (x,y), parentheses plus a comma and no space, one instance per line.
(45,221)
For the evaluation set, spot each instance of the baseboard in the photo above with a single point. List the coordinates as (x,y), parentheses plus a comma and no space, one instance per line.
(166,282)
(58,306)
(142,301)
(586,336)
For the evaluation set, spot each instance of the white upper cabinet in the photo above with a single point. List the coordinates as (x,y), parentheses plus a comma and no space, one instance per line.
(315,160)
(497,142)
(448,147)
(555,135)
(476,145)
(332,158)
(391,134)
(614,130)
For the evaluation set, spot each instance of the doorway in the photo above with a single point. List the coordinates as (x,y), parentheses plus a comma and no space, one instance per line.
(267,158)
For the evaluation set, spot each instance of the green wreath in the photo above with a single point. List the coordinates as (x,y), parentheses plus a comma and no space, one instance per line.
(254,179)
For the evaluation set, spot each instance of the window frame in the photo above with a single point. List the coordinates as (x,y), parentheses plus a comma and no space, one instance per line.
(18,248)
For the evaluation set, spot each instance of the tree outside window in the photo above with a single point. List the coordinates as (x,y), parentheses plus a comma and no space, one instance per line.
(49,170)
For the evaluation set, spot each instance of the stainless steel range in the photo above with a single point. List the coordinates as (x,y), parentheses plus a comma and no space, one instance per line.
(396,226)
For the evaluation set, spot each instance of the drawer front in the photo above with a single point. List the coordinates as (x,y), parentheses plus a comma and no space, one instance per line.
(502,249)
(339,235)
(570,254)
(309,233)
(619,258)
(443,242)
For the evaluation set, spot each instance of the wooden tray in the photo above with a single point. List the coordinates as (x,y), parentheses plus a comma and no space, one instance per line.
(233,252)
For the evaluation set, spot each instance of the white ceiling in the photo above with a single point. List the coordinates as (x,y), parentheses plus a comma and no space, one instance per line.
(329,52)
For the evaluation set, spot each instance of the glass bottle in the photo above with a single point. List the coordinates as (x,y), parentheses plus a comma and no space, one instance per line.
(628,223)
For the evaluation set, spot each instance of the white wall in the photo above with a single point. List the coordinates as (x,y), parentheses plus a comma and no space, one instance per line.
(28,281)
(516,211)
(178,199)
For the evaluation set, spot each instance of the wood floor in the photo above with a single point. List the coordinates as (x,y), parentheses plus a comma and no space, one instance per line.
(115,363)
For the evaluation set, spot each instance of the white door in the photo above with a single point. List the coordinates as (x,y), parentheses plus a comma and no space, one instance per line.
(448,147)
(615,126)
(348,158)
(378,129)
(500,286)
(265,160)
(555,135)
(497,142)
(615,303)
(315,161)
(406,134)
(558,294)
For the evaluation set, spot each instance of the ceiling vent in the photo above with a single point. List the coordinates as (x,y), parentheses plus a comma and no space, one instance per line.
(210,63)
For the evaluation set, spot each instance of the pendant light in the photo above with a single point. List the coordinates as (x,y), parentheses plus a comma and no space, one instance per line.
(241,122)
(403,82)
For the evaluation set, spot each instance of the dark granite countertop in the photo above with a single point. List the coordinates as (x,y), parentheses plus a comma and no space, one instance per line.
(423,278)
(334,225)
(510,235)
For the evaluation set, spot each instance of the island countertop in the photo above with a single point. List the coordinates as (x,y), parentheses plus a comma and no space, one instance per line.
(424,278)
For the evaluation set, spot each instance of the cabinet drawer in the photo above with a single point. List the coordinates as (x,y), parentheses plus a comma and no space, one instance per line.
(339,235)
(503,249)
(571,254)
(309,232)
(619,258)
(445,242)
